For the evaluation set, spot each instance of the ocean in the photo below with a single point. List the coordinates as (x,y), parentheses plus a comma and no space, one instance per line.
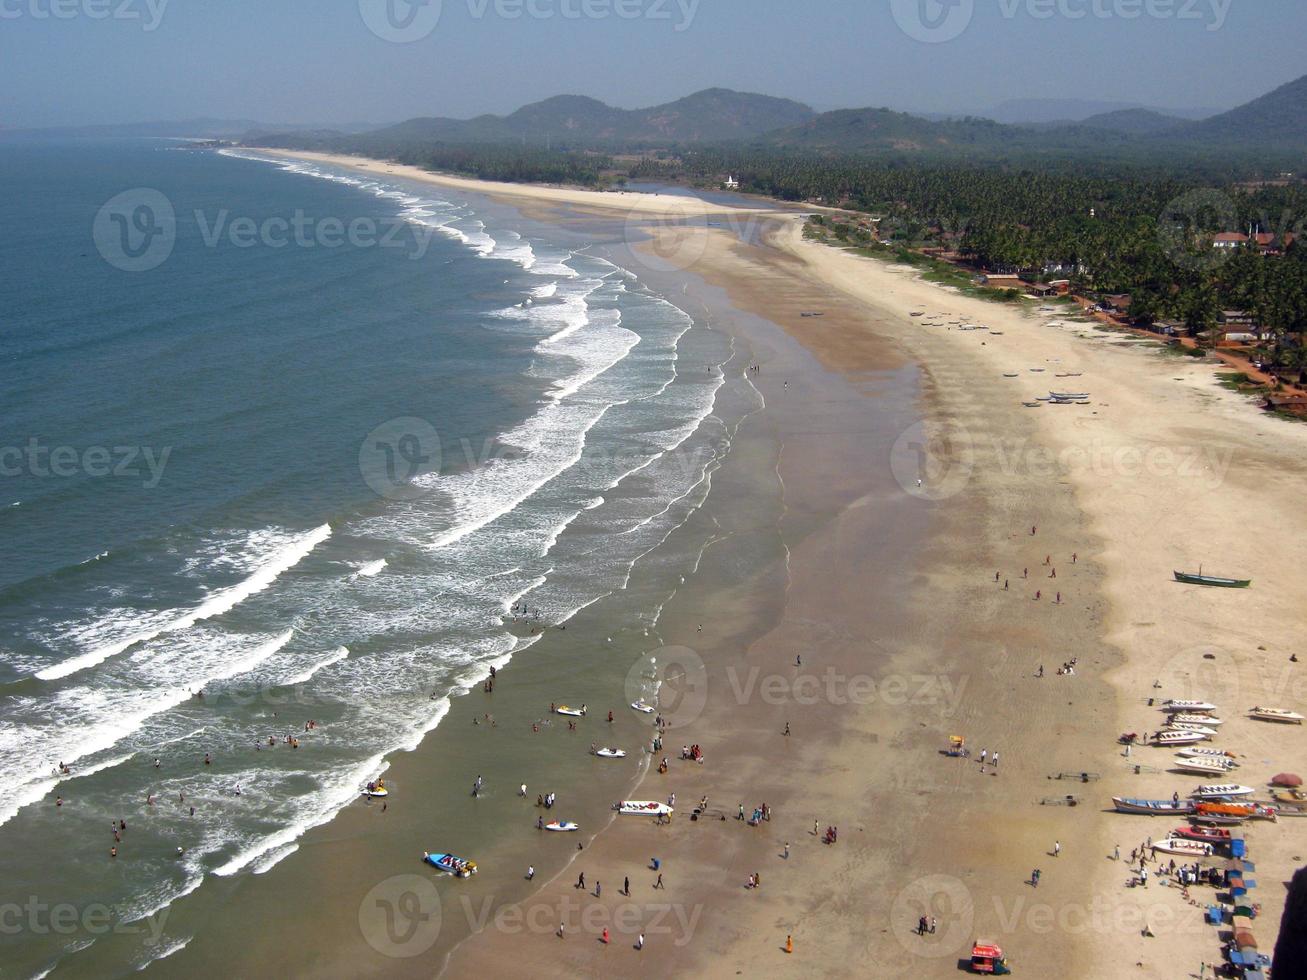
(283,444)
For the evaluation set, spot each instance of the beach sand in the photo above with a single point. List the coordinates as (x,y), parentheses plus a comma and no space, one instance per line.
(830,551)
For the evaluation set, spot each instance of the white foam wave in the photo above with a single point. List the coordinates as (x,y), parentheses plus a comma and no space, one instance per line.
(214,605)
(334,657)
(371,568)
(84,721)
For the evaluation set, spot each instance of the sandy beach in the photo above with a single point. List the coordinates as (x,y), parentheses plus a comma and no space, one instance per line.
(873,616)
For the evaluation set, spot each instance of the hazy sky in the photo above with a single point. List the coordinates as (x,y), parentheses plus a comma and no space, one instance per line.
(88,61)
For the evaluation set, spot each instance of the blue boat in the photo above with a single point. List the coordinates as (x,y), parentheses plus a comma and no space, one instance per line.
(450,864)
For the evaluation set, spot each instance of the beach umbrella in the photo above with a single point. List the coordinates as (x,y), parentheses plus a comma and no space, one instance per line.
(1288,779)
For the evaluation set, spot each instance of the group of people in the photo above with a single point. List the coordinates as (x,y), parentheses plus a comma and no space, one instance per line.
(692,752)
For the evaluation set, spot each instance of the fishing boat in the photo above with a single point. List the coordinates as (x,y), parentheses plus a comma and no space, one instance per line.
(1202,765)
(1179,845)
(1218,791)
(1212,835)
(606,753)
(1213,808)
(1012,374)
(1179,736)
(448,863)
(1032,404)
(1184,718)
(1276,714)
(1189,578)
(562,826)
(642,707)
(563,709)
(1190,727)
(1070,396)
(1183,707)
(642,808)
(1207,752)
(1217,819)
(1154,808)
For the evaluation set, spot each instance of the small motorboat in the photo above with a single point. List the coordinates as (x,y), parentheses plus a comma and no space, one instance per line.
(1185,707)
(1217,791)
(1012,375)
(1202,765)
(562,826)
(1032,404)
(607,753)
(563,709)
(1276,714)
(1180,845)
(1206,752)
(1179,737)
(1186,726)
(1210,835)
(450,864)
(642,808)
(643,707)
(1186,718)
(376,790)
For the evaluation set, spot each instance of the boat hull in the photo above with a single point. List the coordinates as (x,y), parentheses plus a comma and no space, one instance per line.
(1211,580)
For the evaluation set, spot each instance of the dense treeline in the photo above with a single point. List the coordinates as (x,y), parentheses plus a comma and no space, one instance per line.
(1144,233)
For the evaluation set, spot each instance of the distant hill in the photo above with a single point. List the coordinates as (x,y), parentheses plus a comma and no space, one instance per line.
(1066,111)
(713,114)
(871,130)
(1278,118)
(1135,122)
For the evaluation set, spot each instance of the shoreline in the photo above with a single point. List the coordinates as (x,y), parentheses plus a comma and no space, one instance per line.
(1122,624)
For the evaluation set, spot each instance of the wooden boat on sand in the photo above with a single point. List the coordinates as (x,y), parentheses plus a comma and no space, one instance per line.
(1153,808)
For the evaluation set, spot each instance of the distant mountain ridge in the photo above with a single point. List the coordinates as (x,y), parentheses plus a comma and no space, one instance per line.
(1278,118)
(713,114)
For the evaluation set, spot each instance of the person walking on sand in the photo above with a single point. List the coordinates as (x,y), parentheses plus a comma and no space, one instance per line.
(626,886)
(530,872)
(1005,588)
(659,882)
(1116,852)
(1038,594)
(605,939)
(984,754)
(787,850)
(639,941)
(1057,848)
(994,761)
(580,880)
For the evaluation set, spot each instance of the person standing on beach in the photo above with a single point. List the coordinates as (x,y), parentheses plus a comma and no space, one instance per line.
(1057,848)
(1116,853)
(984,754)
(626,886)
(580,881)
(787,850)
(639,942)
(994,761)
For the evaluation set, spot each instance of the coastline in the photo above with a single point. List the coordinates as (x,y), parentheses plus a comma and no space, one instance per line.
(920,832)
